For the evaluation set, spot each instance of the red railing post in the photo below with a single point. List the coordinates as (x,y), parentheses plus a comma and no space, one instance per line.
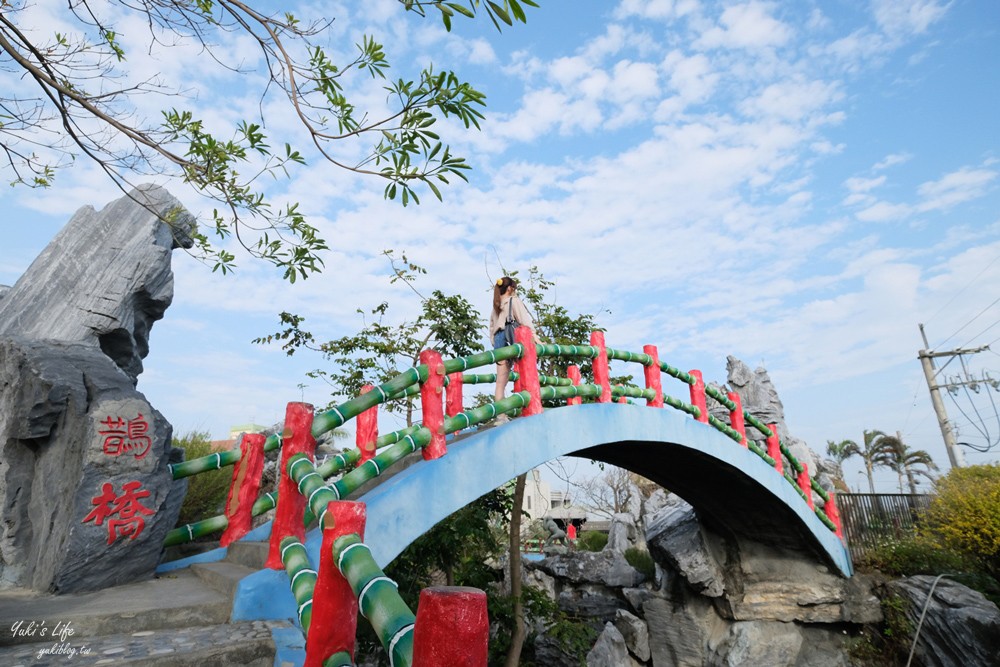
(335,608)
(774,448)
(452,628)
(602,374)
(527,370)
(454,402)
(573,373)
(806,485)
(652,373)
(243,488)
(366,435)
(288,517)
(698,398)
(736,417)
(623,400)
(432,404)
(833,514)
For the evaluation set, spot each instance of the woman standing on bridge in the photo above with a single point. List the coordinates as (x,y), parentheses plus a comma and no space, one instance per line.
(507,309)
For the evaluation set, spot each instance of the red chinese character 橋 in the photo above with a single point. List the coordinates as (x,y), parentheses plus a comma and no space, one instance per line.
(123,512)
(120,438)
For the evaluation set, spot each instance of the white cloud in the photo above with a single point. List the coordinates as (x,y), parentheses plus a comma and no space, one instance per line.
(901,18)
(954,188)
(891,161)
(747,26)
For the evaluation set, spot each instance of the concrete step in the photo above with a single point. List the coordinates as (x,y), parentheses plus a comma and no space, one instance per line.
(222,576)
(248,643)
(173,600)
(248,554)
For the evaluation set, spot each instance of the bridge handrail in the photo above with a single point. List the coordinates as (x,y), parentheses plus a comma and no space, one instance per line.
(409,382)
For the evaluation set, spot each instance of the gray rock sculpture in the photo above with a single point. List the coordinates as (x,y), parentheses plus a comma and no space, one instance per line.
(752,581)
(104,279)
(610,650)
(960,627)
(86,493)
(758,395)
(635,633)
(623,532)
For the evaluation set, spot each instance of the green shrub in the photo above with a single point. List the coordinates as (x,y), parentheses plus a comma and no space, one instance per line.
(886,643)
(641,560)
(914,555)
(591,540)
(207,491)
(964,515)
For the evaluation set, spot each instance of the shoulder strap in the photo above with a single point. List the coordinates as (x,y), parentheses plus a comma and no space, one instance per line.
(510,310)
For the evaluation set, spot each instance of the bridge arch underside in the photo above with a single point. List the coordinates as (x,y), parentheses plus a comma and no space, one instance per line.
(732,489)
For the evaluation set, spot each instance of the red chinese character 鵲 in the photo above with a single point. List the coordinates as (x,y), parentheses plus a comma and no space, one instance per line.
(121,439)
(122,512)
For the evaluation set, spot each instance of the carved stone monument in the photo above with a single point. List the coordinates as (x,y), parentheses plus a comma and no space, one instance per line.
(86,494)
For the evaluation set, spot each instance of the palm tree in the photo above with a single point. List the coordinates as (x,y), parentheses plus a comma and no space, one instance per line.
(841,451)
(875,443)
(897,456)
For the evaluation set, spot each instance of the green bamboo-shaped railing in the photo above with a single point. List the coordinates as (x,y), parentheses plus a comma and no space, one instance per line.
(378,598)
(401,443)
(302,576)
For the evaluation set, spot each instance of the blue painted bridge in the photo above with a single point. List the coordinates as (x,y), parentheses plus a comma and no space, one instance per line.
(730,487)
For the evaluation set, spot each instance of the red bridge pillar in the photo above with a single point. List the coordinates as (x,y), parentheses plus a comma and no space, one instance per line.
(296,438)
(652,373)
(573,373)
(602,373)
(452,628)
(527,371)
(335,608)
(432,404)
(244,488)
(774,448)
(736,417)
(698,398)
(366,435)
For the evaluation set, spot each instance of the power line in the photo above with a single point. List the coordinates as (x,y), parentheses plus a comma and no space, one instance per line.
(971,282)
(969,322)
(982,332)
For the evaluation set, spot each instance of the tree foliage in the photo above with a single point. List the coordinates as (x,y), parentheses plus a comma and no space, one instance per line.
(206,492)
(965,514)
(73,94)
(384,347)
(877,446)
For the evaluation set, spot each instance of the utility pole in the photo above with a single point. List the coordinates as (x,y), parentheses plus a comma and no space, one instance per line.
(926,356)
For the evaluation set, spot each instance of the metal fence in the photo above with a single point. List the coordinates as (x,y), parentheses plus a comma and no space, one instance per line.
(871,519)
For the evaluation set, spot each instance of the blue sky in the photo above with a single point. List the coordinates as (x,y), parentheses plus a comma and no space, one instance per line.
(797,184)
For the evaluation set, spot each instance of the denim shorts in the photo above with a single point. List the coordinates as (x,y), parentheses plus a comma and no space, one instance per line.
(499,340)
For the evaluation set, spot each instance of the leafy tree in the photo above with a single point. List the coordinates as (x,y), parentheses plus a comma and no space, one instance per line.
(382,348)
(206,492)
(876,444)
(906,462)
(74,96)
(964,514)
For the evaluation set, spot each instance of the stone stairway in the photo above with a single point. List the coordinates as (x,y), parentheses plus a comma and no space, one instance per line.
(176,619)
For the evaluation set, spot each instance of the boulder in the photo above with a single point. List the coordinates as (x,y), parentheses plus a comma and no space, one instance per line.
(104,279)
(610,650)
(960,626)
(608,568)
(622,533)
(676,540)
(85,487)
(679,633)
(87,496)
(635,633)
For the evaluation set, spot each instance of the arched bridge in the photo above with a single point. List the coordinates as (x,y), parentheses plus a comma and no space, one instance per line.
(745,486)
